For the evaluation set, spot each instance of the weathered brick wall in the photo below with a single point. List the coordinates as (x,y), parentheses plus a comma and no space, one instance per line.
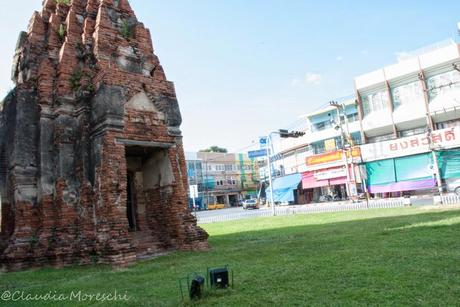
(76,69)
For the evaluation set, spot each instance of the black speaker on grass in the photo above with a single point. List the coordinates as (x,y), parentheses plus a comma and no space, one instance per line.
(196,288)
(194,285)
(219,277)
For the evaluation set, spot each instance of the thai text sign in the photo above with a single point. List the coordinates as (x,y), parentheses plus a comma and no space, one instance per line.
(440,139)
(331,173)
(331,157)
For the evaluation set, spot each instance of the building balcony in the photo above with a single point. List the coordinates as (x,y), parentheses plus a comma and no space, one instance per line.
(410,116)
(446,106)
(378,123)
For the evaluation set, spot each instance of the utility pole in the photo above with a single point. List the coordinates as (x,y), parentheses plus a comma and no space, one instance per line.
(270,181)
(430,125)
(344,150)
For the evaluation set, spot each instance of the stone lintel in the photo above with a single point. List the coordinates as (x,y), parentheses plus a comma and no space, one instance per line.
(145,143)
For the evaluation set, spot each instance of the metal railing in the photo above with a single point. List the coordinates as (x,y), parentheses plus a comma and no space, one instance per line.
(308,209)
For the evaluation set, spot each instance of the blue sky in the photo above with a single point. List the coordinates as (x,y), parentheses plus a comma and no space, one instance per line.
(245,67)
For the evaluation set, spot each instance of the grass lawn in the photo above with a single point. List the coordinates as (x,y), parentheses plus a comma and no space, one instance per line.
(377,257)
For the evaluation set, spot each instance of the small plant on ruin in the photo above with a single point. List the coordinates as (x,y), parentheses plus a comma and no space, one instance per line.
(61,31)
(125,29)
(62,2)
(81,52)
(75,80)
(34,241)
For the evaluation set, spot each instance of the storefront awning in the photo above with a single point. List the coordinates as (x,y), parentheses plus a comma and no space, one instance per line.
(326,177)
(401,174)
(283,188)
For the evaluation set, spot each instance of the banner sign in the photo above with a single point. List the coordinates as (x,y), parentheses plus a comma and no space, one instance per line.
(332,157)
(331,173)
(257,153)
(412,145)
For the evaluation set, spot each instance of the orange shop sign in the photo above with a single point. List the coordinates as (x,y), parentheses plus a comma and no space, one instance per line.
(332,157)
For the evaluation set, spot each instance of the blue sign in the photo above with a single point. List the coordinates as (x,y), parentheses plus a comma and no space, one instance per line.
(263,142)
(257,153)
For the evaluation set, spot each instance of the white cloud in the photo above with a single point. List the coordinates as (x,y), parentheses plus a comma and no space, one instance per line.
(309,79)
(313,78)
(339,58)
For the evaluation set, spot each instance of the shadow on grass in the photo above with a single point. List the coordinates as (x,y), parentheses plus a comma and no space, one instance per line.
(379,260)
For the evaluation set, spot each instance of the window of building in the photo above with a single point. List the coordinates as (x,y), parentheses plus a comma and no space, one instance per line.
(353,117)
(375,102)
(411,93)
(412,132)
(380,138)
(448,124)
(318,148)
(443,84)
(321,126)
(356,138)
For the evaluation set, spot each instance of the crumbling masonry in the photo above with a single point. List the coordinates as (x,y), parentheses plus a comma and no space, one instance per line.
(92,166)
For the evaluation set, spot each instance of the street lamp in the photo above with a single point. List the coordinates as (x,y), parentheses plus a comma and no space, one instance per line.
(283,134)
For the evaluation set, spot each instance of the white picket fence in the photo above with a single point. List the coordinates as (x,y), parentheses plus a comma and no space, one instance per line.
(307,209)
(451,199)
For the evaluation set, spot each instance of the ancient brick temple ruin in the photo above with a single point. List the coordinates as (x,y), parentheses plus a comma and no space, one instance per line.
(91,159)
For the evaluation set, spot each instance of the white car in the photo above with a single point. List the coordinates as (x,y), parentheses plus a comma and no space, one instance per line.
(250,204)
(453,185)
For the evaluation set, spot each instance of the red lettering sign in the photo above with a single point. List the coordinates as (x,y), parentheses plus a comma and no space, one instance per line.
(450,135)
(414,143)
(436,137)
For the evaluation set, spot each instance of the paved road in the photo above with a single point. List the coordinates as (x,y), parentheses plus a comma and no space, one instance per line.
(240,213)
(228,211)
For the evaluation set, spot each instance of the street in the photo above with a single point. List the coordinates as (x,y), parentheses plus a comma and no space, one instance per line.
(229,214)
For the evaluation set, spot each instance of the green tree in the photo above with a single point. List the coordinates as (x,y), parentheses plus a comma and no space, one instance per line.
(215,149)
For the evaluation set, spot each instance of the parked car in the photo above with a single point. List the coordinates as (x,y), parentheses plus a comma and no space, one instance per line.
(250,204)
(453,185)
(216,206)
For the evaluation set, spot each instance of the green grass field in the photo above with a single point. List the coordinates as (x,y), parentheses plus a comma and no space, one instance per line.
(376,257)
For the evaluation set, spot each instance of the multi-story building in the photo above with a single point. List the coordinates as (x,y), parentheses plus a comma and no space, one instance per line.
(222,178)
(410,121)
(400,134)
(324,153)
